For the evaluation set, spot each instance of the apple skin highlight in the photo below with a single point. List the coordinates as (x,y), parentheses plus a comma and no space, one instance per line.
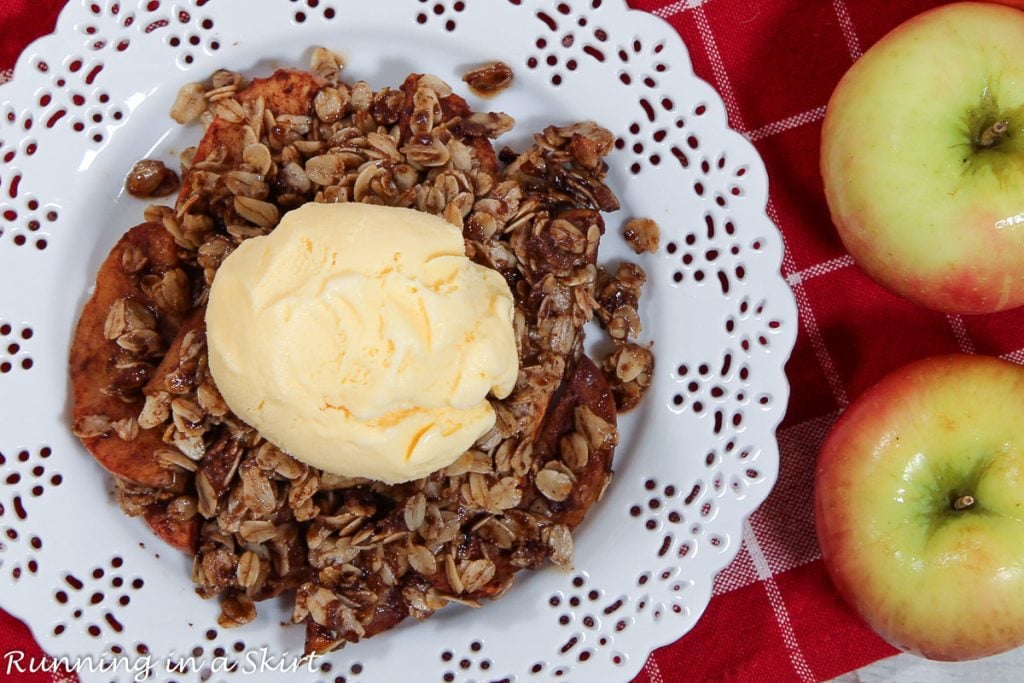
(940,583)
(921,211)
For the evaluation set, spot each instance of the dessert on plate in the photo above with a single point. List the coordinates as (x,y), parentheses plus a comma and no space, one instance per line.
(348,362)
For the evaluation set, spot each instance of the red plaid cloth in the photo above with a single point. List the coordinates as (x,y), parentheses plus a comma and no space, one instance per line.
(775,616)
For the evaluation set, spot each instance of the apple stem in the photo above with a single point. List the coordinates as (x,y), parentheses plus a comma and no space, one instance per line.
(963,502)
(992,135)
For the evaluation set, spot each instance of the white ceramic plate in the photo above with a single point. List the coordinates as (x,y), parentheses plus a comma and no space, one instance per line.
(695,459)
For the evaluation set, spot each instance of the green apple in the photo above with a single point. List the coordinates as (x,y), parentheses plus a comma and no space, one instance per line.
(919,505)
(922,157)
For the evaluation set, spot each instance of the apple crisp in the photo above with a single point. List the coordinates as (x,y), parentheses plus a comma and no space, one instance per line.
(358,555)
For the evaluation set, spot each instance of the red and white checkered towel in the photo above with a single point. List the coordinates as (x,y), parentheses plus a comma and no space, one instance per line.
(775,617)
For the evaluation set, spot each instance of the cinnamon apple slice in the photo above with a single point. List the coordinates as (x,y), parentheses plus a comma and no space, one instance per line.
(121,333)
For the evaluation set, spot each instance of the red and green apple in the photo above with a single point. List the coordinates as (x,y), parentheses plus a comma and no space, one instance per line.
(922,158)
(919,506)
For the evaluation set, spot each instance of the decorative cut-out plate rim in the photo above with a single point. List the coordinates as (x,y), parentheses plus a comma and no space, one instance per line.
(727,186)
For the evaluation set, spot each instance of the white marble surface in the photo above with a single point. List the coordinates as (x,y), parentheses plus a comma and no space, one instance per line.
(1005,668)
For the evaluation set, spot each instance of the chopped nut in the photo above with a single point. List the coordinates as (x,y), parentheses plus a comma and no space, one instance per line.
(642,234)
(189,104)
(489,79)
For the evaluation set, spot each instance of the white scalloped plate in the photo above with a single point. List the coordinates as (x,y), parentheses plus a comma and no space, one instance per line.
(696,458)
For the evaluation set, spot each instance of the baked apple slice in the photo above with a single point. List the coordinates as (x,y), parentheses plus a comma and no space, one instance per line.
(124,329)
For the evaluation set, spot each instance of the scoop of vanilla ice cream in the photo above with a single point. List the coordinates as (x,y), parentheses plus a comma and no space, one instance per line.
(361,340)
